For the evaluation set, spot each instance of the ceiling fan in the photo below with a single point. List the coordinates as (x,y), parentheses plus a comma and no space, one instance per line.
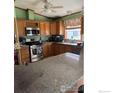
(48,6)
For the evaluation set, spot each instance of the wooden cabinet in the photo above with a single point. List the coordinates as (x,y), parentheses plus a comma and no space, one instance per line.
(57,28)
(25,58)
(44,28)
(56,49)
(60,27)
(20,27)
(47,49)
(32,23)
(47,28)
(68,48)
(52,49)
(53,30)
(61,48)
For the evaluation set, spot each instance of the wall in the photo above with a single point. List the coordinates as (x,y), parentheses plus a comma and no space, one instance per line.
(20,13)
(29,15)
(71,16)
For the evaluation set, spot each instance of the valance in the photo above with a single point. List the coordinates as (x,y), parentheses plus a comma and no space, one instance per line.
(73,22)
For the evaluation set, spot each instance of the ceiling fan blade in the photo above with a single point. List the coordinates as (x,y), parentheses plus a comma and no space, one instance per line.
(57,7)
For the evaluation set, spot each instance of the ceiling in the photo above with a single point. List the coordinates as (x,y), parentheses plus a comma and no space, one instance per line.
(69,6)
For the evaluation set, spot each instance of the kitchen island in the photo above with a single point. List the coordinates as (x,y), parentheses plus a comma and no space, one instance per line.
(52,75)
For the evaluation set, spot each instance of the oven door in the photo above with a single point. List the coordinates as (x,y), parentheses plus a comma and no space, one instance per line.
(36,51)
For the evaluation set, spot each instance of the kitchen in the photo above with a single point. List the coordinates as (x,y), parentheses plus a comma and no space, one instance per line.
(47,38)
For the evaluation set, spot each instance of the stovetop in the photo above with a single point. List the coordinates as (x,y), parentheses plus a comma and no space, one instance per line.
(33,43)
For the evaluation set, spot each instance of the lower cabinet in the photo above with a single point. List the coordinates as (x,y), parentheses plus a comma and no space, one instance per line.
(25,58)
(47,49)
(61,48)
(53,49)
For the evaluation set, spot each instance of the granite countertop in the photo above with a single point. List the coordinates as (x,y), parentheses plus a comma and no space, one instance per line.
(66,43)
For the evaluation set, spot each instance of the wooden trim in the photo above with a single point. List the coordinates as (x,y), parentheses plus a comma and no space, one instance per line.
(82,27)
(19,8)
(41,15)
(71,14)
(73,27)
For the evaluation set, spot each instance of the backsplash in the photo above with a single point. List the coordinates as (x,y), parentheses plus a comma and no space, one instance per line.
(37,38)
(44,38)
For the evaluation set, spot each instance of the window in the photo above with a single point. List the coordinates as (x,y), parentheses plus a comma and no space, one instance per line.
(73,33)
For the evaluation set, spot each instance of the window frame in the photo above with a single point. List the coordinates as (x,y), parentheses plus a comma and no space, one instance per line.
(72,27)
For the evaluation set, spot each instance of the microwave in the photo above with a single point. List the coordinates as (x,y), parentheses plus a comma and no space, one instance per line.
(30,31)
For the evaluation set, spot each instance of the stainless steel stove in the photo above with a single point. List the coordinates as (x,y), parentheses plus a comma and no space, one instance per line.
(36,52)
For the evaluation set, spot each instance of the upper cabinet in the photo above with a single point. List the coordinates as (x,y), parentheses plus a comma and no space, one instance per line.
(57,27)
(47,26)
(44,28)
(60,28)
(32,23)
(20,27)
(53,30)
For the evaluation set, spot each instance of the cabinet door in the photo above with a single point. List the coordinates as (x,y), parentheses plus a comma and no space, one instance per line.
(62,49)
(20,24)
(68,48)
(24,55)
(45,50)
(50,49)
(42,28)
(53,28)
(32,23)
(60,28)
(57,28)
(47,28)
